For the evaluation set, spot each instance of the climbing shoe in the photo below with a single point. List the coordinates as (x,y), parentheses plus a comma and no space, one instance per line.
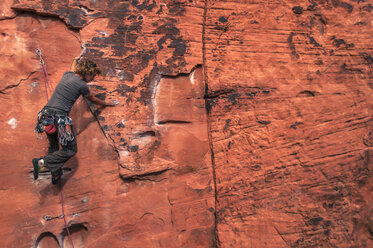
(37,167)
(56,177)
(35,163)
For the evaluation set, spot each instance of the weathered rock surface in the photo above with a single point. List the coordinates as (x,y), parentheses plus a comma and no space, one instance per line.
(290,86)
(240,124)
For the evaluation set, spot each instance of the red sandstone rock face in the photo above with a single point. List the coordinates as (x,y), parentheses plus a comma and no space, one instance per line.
(240,124)
(290,87)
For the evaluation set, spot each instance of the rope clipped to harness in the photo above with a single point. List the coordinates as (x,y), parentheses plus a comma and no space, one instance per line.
(41,124)
(44,121)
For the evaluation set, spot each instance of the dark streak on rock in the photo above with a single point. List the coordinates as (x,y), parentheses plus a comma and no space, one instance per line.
(292,45)
(98,87)
(316,221)
(210,103)
(75,18)
(172,34)
(160,11)
(294,126)
(312,6)
(347,6)
(123,89)
(367,57)
(233,97)
(148,88)
(133,148)
(223,28)
(229,144)
(328,223)
(168,28)
(217,93)
(180,47)
(338,42)
(223,19)
(314,42)
(307,93)
(176,8)
(101,96)
(146,5)
(297,10)
(346,69)
(227,121)
(139,61)
(367,8)
(120,125)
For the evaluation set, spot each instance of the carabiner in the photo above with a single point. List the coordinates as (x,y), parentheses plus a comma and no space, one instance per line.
(47,217)
(38,53)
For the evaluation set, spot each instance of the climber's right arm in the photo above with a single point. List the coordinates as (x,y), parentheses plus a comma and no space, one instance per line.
(98,101)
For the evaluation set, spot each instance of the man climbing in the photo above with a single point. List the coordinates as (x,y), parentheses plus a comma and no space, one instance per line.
(55,121)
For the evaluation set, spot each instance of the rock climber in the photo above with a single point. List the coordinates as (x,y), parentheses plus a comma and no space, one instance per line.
(55,121)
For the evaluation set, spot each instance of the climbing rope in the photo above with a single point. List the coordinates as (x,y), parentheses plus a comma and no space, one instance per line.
(47,82)
(48,85)
(64,218)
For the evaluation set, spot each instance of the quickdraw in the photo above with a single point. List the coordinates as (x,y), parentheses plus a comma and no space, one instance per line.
(47,82)
(65,133)
(48,217)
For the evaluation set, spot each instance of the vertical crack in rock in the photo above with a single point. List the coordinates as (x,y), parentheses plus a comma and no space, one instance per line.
(106,135)
(205,79)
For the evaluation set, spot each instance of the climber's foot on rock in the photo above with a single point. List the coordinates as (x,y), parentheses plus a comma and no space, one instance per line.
(56,177)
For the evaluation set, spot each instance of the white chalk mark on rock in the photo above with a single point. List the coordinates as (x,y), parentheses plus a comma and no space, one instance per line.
(13,123)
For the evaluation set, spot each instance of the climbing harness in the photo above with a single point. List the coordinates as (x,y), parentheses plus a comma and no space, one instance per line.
(44,123)
(48,120)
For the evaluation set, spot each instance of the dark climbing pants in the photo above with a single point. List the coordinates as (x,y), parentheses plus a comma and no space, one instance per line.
(57,157)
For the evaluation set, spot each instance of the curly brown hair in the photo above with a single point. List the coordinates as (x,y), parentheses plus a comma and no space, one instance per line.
(87,67)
